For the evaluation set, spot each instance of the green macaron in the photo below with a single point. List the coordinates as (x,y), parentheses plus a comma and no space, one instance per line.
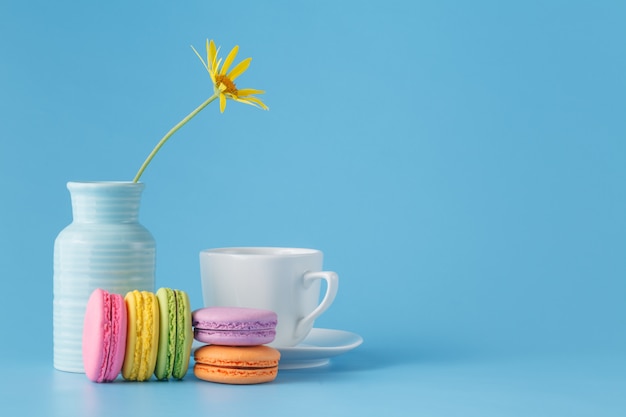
(175,336)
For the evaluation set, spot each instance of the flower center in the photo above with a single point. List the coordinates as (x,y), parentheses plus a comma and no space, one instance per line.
(231,88)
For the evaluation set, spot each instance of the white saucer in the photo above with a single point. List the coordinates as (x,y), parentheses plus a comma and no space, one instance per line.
(317,349)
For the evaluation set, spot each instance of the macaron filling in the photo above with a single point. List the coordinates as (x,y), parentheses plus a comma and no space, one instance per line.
(107,339)
(167,334)
(183,335)
(235,338)
(117,342)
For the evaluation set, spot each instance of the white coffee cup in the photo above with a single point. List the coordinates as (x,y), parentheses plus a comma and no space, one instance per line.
(284,280)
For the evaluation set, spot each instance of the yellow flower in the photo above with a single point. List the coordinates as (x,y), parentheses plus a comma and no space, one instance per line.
(224,81)
(223,88)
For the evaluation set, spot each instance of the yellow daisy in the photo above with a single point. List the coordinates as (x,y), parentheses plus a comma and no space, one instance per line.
(223,88)
(224,81)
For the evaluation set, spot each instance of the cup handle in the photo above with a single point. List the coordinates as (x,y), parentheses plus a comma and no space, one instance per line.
(332,284)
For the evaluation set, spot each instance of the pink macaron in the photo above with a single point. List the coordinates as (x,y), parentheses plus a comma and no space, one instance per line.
(104,336)
(234,326)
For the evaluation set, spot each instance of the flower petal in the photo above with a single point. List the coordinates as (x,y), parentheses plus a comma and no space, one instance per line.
(216,62)
(229,59)
(201,59)
(258,102)
(249,91)
(239,69)
(253,101)
(222,103)
(216,67)
(211,53)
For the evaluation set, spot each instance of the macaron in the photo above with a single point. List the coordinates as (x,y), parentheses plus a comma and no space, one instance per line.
(234,326)
(175,334)
(104,336)
(142,341)
(236,365)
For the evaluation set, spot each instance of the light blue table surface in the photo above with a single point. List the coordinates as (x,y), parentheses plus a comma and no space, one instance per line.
(371,380)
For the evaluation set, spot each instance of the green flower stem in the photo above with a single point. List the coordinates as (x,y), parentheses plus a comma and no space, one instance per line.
(171,132)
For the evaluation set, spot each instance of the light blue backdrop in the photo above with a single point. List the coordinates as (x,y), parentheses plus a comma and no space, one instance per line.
(461,164)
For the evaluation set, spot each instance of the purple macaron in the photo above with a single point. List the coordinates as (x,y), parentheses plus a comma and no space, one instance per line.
(234,326)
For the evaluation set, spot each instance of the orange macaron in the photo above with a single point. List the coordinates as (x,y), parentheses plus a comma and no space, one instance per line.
(236,365)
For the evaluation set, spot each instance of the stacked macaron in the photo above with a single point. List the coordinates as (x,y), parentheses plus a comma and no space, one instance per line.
(236,351)
(138,335)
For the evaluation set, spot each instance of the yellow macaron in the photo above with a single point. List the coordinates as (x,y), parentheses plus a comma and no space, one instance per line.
(142,339)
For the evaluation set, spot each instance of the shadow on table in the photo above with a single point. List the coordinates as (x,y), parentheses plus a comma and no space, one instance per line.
(375,358)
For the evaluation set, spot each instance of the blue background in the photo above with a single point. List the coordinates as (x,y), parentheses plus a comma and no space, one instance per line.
(461,165)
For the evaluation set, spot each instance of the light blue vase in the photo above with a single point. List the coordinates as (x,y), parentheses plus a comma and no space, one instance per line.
(104,247)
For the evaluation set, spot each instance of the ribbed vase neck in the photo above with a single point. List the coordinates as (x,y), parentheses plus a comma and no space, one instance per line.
(105,202)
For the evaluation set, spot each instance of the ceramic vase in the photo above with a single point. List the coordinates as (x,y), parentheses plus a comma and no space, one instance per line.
(105,247)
